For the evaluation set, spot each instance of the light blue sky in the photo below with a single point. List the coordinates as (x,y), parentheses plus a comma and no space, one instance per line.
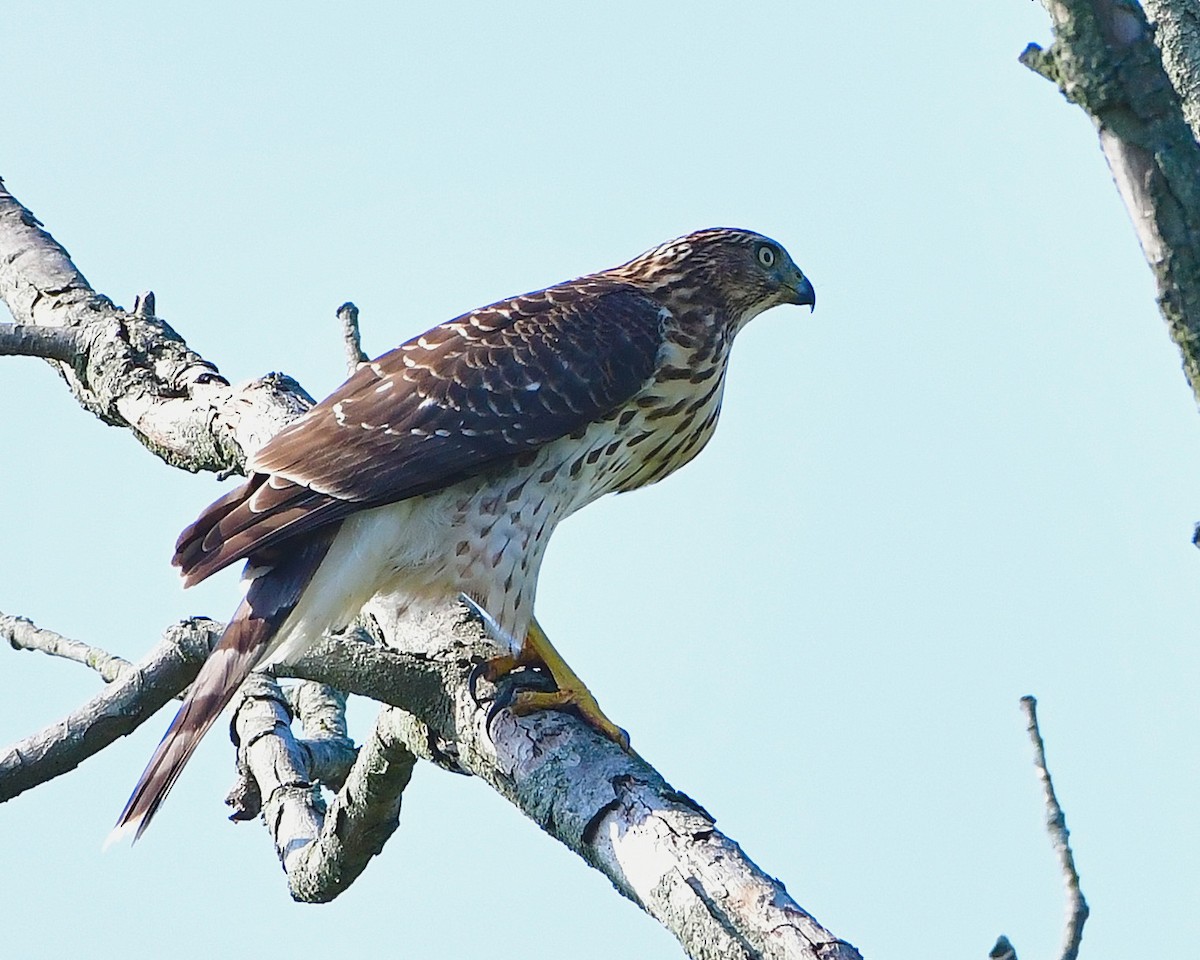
(968,476)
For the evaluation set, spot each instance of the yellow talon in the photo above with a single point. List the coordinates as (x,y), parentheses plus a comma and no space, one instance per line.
(571,694)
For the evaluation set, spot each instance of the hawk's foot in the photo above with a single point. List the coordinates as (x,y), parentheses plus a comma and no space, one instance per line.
(576,699)
(491,671)
(571,694)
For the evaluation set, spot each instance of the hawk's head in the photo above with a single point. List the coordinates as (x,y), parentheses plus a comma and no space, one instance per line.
(741,271)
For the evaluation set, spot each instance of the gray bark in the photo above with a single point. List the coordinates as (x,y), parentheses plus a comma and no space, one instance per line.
(132,370)
(1105,60)
(118,710)
(1177,32)
(613,809)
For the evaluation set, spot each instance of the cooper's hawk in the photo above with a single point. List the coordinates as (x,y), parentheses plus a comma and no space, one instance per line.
(441,469)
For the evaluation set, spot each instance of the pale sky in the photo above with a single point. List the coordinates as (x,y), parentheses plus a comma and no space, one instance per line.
(967,477)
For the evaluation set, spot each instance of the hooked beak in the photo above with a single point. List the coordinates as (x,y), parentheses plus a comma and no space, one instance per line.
(802,292)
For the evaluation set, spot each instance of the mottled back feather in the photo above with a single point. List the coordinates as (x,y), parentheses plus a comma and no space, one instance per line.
(466,396)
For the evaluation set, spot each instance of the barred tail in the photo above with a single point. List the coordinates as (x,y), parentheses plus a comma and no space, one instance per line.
(249,637)
(241,648)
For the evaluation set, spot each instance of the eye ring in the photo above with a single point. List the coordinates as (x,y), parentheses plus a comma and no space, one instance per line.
(766,256)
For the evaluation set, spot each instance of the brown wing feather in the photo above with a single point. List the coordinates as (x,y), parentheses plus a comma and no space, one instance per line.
(465,396)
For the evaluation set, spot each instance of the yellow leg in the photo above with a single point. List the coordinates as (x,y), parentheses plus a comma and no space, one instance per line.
(571,694)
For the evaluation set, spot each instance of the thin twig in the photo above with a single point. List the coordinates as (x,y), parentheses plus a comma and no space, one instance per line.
(1056,824)
(24,634)
(348,314)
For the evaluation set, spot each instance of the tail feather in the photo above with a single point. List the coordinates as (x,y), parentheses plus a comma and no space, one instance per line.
(250,636)
(242,647)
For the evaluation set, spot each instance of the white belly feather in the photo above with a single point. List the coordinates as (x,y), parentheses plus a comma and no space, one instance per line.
(486,536)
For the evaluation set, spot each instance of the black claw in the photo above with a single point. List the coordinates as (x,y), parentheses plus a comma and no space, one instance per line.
(477,671)
(508,686)
(504,697)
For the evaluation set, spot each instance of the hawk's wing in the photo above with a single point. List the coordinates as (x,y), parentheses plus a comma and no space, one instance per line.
(469,394)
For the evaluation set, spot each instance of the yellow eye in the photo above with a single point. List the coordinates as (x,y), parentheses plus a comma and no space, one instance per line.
(766,256)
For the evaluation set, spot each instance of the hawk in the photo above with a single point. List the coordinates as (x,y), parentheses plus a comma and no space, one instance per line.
(440,470)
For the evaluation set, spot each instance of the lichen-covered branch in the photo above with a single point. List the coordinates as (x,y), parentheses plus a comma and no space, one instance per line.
(1177,33)
(1105,60)
(658,847)
(322,850)
(328,751)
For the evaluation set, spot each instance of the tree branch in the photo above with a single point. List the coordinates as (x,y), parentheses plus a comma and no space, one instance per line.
(351,338)
(1003,950)
(329,753)
(1056,824)
(657,846)
(23,634)
(321,851)
(116,711)
(52,343)
(130,368)
(1104,59)
(1177,33)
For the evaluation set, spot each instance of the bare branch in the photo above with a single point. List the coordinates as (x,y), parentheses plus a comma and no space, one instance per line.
(23,634)
(348,314)
(1056,823)
(119,709)
(131,369)
(144,304)
(658,848)
(329,753)
(322,852)
(51,343)
(1104,59)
